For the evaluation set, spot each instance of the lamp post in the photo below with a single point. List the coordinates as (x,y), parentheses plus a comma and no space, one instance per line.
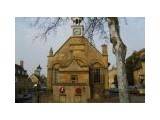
(37,88)
(37,85)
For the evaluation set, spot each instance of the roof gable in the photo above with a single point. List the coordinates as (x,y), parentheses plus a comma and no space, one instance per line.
(76,47)
(82,38)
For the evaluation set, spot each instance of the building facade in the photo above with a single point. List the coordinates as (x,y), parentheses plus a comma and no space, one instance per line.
(77,72)
(37,78)
(22,84)
(139,69)
(135,67)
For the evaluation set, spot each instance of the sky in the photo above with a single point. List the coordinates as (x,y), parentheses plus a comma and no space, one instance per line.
(35,52)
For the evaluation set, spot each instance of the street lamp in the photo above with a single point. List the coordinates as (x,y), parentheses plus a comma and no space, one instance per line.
(36,87)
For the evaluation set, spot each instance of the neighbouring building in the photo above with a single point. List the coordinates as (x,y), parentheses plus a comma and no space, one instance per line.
(43,81)
(77,71)
(135,70)
(22,84)
(135,66)
(37,78)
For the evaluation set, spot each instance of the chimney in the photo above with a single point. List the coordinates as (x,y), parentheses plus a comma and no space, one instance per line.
(21,63)
(104,50)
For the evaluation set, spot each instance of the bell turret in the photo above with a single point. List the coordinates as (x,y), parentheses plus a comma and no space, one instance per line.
(77,20)
(77,27)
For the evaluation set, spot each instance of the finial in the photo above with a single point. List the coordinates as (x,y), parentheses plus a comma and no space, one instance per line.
(51,51)
(77,20)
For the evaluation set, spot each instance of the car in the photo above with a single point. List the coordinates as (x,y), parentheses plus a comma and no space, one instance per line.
(27,96)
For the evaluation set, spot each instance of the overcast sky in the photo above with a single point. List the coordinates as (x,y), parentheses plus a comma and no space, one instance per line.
(34,52)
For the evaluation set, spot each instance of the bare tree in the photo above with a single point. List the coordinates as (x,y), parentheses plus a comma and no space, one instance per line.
(119,49)
(92,26)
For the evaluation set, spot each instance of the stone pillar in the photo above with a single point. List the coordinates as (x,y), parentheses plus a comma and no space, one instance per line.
(49,70)
(105,60)
(106,79)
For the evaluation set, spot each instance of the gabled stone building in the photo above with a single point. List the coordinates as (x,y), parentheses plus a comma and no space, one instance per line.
(137,59)
(77,72)
(22,84)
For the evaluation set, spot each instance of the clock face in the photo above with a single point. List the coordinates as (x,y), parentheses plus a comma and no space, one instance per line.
(77,31)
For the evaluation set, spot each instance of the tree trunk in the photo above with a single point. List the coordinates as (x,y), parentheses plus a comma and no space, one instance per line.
(119,49)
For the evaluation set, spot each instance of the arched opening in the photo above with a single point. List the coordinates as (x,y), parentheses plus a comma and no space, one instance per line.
(115,81)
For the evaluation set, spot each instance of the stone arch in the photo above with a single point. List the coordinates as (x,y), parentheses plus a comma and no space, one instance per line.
(96,64)
(56,65)
(115,81)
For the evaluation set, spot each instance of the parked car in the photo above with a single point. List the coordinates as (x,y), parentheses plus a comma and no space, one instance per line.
(22,97)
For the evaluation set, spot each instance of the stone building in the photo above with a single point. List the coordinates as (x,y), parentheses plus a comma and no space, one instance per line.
(37,78)
(135,67)
(139,69)
(22,84)
(135,70)
(77,71)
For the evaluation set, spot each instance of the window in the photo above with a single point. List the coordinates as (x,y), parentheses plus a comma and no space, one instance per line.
(96,76)
(74,78)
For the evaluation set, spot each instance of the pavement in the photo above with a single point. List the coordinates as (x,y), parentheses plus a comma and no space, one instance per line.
(46,97)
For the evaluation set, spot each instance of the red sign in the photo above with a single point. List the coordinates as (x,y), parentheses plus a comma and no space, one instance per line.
(62,90)
(78,90)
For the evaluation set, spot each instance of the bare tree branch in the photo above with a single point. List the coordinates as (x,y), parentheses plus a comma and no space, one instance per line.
(53,26)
